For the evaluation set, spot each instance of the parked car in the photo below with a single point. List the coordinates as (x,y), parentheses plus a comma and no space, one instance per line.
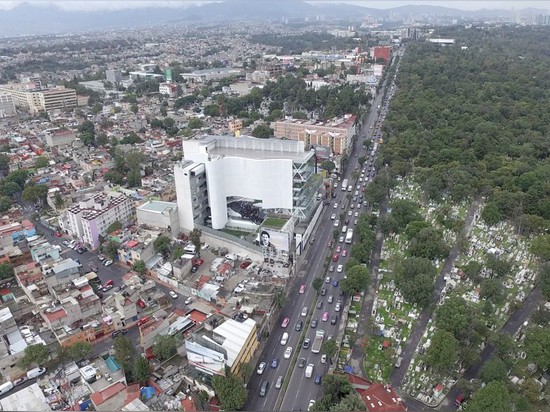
(57,234)
(108,263)
(93,267)
(188,301)
(261,368)
(101,258)
(173,294)
(143,320)
(20,381)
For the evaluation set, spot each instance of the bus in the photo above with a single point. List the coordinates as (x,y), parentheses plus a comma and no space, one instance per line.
(349,235)
(344,184)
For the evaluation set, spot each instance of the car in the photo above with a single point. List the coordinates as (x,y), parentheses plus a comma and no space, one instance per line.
(194,268)
(344,253)
(335,283)
(336,205)
(343,206)
(337,306)
(324,358)
(279,382)
(298,326)
(311,403)
(143,320)
(356,214)
(173,294)
(356,221)
(93,267)
(334,319)
(188,301)
(330,299)
(319,304)
(323,291)
(284,338)
(458,401)
(304,311)
(275,363)
(246,264)
(106,288)
(350,212)
(341,239)
(261,368)
(335,257)
(327,280)
(20,381)
(339,269)
(302,289)
(306,343)
(141,304)
(66,242)
(108,263)
(314,323)
(263,388)
(57,234)
(285,322)
(336,223)
(318,379)
(398,362)
(331,269)
(353,207)
(288,352)
(81,250)
(338,249)
(329,243)
(324,318)
(302,362)
(101,258)
(333,216)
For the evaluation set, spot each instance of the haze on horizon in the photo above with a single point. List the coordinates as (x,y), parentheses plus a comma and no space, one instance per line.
(90,5)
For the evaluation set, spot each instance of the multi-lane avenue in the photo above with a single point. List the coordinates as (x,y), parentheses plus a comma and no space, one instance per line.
(299,390)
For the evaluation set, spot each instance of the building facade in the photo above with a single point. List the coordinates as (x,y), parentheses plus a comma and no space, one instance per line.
(88,220)
(337,134)
(217,168)
(7,105)
(27,97)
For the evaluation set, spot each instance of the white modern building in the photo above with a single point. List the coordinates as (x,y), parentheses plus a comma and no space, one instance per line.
(277,175)
(89,219)
(159,214)
(7,105)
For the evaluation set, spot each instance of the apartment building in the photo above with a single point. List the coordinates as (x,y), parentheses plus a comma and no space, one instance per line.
(26,96)
(337,134)
(89,219)
(7,105)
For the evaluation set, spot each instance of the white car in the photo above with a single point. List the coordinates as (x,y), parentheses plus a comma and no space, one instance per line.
(311,403)
(340,268)
(173,294)
(336,205)
(350,212)
(336,223)
(288,352)
(356,214)
(341,240)
(284,338)
(108,263)
(304,311)
(333,216)
(261,368)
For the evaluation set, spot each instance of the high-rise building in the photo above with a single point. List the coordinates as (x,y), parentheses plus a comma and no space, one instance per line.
(7,105)
(276,175)
(27,97)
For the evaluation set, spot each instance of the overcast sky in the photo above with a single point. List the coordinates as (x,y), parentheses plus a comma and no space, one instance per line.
(379,4)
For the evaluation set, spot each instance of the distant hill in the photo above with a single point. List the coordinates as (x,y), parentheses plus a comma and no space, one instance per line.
(33,19)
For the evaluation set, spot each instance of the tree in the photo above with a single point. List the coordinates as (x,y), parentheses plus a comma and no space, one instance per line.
(114,177)
(80,350)
(537,347)
(358,278)
(34,355)
(498,266)
(10,188)
(139,267)
(330,348)
(443,352)
(35,193)
(113,227)
(328,165)
(131,138)
(262,131)
(401,213)
(531,390)
(505,346)
(492,290)
(111,249)
(141,370)
(58,200)
(351,402)
(162,244)
(230,390)
(279,297)
(195,238)
(41,161)
(164,347)
(5,204)
(125,353)
(491,214)
(540,247)
(317,284)
(492,397)
(336,387)
(195,123)
(177,252)
(18,176)
(134,178)
(428,243)
(543,280)
(4,163)
(454,316)
(494,370)
(415,277)
(245,371)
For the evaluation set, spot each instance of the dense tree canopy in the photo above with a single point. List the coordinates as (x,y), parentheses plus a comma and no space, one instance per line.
(415,277)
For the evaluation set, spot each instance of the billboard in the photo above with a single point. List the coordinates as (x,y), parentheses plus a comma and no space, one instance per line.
(168,74)
(274,240)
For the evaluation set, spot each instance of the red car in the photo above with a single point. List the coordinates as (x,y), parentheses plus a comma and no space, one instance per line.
(459,399)
(57,234)
(329,243)
(141,304)
(335,257)
(245,264)
(285,322)
(143,321)
(338,249)
(302,289)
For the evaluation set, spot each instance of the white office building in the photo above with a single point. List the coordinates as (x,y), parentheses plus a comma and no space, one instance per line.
(276,175)
(7,105)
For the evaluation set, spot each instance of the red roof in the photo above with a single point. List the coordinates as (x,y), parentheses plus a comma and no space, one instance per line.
(197,316)
(58,314)
(99,397)
(378,398)
(188,404)
(386,344)
(132,243)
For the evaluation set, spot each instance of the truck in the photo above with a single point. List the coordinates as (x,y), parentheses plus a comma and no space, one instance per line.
(309,370)
(349,235)
(344,184)
(318,341)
